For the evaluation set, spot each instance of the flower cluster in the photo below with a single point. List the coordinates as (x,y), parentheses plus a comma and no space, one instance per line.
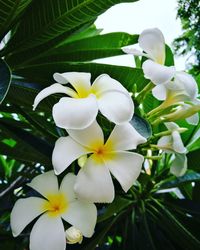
(177,89)
(102,158)
(74,200)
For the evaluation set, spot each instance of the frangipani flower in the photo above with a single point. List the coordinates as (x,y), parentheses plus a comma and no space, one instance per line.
(48,232)
(94,182)
(182,88)
(179,165)
(152,43)
(80,109)
(172,143)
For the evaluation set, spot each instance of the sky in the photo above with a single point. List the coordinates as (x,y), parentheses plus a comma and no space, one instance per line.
(134,17)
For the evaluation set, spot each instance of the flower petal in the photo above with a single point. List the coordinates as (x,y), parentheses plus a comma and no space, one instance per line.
(160,92)
(53,89)
(125,137)
(116,106)
(165,143)
(106,83)
(66,151)
(179,165)
(94,182)
(45,183)
(193,120)
(79,80)
(67,187)
(153,43)
(23,212)
(71,113)
(135,52)
(158,73)
(83,216)
(126,167)
(188,83)
(88,136)
(48,234)
(171,126)
(177,143)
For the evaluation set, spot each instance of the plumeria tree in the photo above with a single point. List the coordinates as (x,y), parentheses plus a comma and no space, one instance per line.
(93,156)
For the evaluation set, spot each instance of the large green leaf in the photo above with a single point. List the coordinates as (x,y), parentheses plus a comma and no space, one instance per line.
(9,12)
(48,19)
(85,49)
(43,73)
(5,77)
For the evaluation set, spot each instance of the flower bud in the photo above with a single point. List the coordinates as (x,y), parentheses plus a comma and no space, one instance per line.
(73,235)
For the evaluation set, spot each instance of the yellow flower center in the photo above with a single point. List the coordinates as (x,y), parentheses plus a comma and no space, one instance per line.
(103,152)
(56,204)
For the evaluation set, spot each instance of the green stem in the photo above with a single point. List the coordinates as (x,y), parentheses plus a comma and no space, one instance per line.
(140,97)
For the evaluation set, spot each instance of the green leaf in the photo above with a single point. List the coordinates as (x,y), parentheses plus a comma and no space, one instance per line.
(142,126)
(86,49)
(150,103)
(169,60)
(10,11)
(114,208)
(43,73)
(49,19)
(5,78)
(177,181)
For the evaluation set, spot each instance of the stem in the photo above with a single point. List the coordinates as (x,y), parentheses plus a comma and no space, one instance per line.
(157,158)
(140,97)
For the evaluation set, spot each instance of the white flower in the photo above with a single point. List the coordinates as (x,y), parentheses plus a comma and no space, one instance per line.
(179,165)
(172,143)
(152,43)
(80,109)
(94,182)
(48,232)
(182,88)
(73,235)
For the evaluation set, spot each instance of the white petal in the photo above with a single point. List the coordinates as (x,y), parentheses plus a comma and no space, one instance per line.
(188,83)
(71,113)
(159,92)
(79,80)
(158,73)
(171,126)
(45,184)
(66,151)
(67,187)
(48,234)
(125,137)
(83,216)
(53,89)
(193,120)
(153,43)
(94,182)
(165,143)
(177,143)
(179,165)
(116,106)
(88,136)
(133,51)
(105,83)
(126,167)
(23,212)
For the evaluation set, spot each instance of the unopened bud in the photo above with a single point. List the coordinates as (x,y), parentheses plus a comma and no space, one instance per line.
(73,235)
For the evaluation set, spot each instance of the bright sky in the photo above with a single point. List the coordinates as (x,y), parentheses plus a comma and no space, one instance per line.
(133,18)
